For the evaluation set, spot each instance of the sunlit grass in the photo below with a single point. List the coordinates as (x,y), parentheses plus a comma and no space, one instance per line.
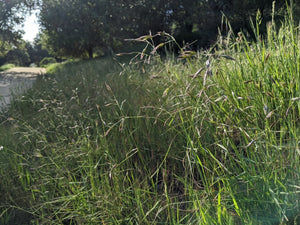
(163,142)
(6,67)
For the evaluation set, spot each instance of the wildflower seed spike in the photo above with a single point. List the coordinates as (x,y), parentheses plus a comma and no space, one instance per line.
(207,63)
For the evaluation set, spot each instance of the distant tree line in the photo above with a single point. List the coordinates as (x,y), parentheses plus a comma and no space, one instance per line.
(89,28)
(12,48)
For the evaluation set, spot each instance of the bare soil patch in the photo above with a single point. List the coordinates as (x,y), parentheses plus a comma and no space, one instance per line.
(23,72)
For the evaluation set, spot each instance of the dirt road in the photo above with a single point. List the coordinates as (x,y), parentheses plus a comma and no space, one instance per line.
(17,80)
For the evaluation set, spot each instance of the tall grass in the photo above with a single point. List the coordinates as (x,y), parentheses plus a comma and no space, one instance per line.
(208,138)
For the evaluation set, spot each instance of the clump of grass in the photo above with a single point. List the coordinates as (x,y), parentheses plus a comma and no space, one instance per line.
(6,67)
(208,138)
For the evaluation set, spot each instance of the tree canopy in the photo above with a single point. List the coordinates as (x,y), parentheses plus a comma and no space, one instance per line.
(75,28)
(85,28)
(12,15)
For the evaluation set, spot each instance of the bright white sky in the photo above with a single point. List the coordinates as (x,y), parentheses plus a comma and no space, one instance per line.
(31,27)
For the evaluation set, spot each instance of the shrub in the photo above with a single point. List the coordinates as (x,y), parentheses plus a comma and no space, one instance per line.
(47,60)
(6,67)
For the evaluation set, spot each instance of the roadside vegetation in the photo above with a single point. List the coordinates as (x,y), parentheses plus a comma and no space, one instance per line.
(204,138)
(6,67)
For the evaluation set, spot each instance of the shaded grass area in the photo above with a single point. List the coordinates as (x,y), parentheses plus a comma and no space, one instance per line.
(163,142)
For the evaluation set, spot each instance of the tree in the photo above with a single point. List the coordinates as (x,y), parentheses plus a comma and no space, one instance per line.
(36,50)
(78,28)
(11,15)
(18,56)
(81,28)
(239,13)
(8,20)
(75,27)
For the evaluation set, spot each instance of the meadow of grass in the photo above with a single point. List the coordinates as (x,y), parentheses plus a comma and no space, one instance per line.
(209,138)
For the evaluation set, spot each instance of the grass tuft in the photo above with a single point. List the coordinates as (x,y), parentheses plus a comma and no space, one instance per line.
(6,67)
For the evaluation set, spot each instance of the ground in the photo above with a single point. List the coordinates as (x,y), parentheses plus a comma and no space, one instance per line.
(16,81)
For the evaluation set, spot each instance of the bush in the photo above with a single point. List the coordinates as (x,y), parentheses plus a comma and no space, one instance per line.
(46,61)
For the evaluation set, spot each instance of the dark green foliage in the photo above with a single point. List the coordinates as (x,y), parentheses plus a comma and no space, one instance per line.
(92,28)
(12,48)
(87,28)
(11,15)
(75,28)
(8,19)
(19,57)
(36,50)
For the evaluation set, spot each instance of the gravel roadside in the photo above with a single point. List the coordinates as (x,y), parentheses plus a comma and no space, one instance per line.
(17,80)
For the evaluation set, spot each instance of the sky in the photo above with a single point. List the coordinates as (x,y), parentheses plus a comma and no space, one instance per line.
(31,27)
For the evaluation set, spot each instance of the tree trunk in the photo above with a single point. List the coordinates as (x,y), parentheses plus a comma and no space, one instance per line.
(90,52)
